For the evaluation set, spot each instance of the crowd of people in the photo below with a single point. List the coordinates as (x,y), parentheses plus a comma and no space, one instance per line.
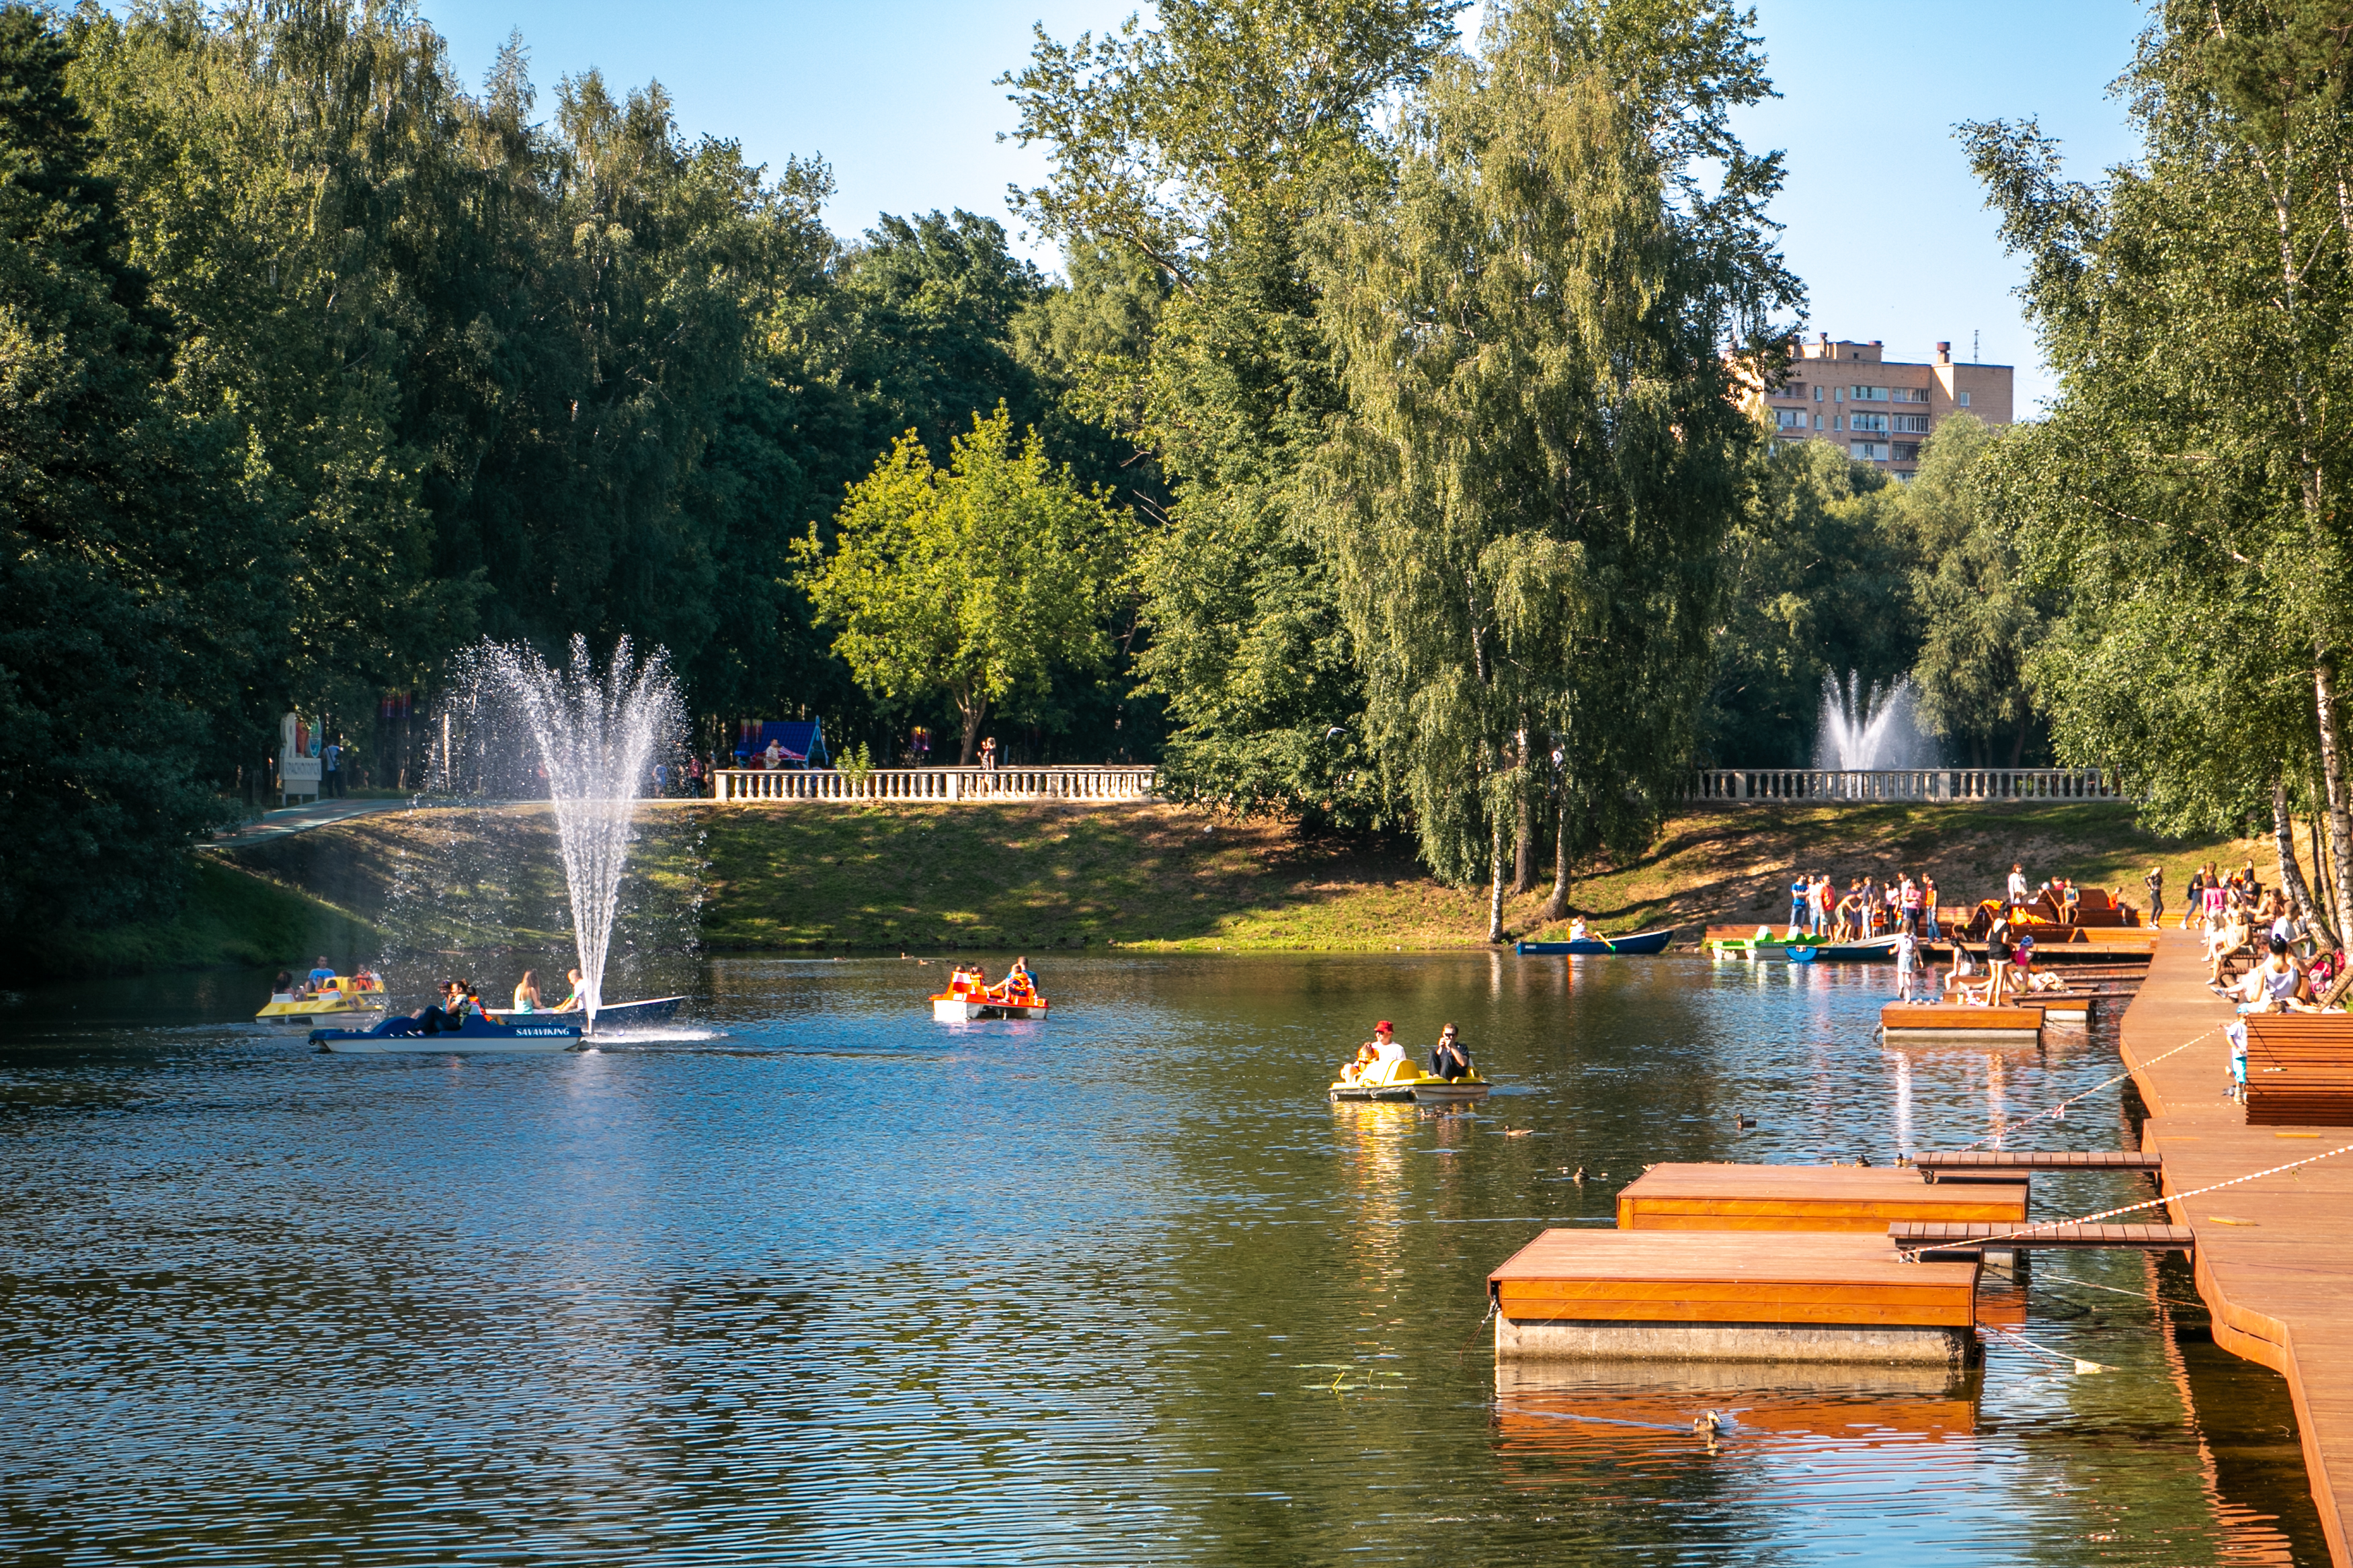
(1866,910)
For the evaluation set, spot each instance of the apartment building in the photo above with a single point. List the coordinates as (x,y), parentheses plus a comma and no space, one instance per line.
(1877,409)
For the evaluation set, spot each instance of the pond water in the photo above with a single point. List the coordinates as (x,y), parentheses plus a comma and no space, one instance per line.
(812,1278)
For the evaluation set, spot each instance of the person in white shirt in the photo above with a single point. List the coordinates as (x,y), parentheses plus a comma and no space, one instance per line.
(1907,954)
(2018,884)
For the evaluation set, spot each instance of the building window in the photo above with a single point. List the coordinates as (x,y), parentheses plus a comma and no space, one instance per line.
(1838,394)
(1876,451)
(1916,424)
(1817,421)
(1908,394)
(1789,418)
(1965,400)
(1817,394)
(1869,393)
(1907,451)
(1838,421)
(1867,422)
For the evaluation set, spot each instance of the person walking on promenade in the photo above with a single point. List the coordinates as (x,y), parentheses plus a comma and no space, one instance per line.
(2017,891)
(1928,907)
(1799,888)
(1908,891)
(2156,881)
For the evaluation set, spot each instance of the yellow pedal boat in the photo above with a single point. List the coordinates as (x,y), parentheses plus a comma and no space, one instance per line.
(1405,1079)
(345,1002)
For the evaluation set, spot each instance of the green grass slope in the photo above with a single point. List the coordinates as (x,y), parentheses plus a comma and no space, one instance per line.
(812,875)
(230,917)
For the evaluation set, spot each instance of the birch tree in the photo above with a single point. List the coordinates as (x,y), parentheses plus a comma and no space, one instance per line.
(1542,450)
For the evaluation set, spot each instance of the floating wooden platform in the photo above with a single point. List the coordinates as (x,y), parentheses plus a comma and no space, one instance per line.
(2117,948)
(1809,1296)
(2069,1006)
(1808,1198)
(2300,1069)
(2274,1258)
(1963,1164)
(1934,1023)
(1934,1240)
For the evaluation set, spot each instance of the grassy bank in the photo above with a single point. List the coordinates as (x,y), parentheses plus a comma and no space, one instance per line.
(231,917)
(1156,876)
(815,877)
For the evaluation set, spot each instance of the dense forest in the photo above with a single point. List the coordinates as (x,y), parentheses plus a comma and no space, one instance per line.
(1379,453)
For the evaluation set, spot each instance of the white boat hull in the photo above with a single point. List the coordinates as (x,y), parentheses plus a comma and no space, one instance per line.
(955,1010)
(452,1046)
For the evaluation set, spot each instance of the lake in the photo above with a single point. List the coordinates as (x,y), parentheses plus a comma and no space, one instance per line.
(813,1279)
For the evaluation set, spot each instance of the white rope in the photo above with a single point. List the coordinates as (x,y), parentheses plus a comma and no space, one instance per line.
(1913,1254)
(2060,1110)
(2081,1366)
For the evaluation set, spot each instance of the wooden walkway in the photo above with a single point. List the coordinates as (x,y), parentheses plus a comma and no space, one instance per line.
(1929,1238)
(1957,1164)
(2274,1257)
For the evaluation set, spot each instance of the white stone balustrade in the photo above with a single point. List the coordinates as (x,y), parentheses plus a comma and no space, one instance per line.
(1768,785)
(1104,784)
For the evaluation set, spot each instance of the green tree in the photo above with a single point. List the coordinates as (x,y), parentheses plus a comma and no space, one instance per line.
(127,590)
(1816,582)
(2196,306)
(976,581)
(1979,619)
(1543,451)
(1201,147)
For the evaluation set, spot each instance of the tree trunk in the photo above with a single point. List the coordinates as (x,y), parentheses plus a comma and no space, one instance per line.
(2323,891)
(1524,849)
(1555,908)
(2292,870)
(2332,777)
(1495,885)
(2018,744)
(975,714)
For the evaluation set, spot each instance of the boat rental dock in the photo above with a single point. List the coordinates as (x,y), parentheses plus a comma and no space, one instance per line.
(2273,1256)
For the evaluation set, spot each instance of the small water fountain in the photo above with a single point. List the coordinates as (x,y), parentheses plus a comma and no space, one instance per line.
(1866,726)
(595,737)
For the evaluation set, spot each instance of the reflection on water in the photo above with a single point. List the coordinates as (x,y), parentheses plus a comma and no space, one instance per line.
(808,1277)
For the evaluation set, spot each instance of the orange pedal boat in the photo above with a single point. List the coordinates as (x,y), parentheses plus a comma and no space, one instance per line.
(969,995)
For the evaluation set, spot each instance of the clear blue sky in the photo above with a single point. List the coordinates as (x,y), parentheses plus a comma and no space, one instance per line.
(1884,224)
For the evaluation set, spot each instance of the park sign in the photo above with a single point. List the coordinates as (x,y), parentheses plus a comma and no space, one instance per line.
(299,768)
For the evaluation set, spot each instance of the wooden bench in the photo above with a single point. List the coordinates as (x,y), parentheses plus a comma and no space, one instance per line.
(2300,1069)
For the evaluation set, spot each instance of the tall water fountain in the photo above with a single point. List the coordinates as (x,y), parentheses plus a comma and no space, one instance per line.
(594,736)
(1866,726)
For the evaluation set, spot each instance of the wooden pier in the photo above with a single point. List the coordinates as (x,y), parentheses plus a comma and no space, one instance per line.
(1933,1024)
(1932,1238)
(1810,1197)
(1731,1295)
(1978,1165)
(2274,1257)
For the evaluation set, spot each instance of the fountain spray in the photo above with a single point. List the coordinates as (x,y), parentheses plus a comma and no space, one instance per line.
(1865,726)
(596,736)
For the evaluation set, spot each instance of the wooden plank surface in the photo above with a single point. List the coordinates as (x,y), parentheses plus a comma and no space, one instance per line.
(1935,1163)
(1805,1197)
(2274,1258)
(1730,1277)
(2146,1237)
(1934,1015)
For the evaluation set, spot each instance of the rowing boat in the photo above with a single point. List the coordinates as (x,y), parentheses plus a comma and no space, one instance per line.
(1641,943)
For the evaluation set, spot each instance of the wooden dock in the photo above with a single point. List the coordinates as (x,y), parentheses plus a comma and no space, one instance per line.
(1975,1164)
(1809,1198)
(1932,1238)
(1933,1024)
(2274,1257)
(1730,1295)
